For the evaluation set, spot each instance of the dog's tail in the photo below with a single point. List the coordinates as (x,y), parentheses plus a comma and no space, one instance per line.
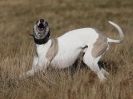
(120,33)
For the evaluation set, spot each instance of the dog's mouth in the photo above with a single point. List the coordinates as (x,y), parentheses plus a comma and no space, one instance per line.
(40,25)
(40,29)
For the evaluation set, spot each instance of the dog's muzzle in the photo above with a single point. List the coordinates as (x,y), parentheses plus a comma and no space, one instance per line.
(41,32)
(42,25)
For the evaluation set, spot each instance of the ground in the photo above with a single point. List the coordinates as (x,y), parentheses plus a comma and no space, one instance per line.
(17,47)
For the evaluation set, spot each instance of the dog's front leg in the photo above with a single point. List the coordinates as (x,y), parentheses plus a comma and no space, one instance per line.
(39,65)
(35,61)
(32,71)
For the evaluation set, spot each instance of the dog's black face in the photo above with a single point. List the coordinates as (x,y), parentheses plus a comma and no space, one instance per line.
(41,29)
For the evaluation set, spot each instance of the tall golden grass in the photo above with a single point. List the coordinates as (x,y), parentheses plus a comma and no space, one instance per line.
(17,47)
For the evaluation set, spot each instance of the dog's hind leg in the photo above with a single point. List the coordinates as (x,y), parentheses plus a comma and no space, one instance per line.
(104,72)
(92,63)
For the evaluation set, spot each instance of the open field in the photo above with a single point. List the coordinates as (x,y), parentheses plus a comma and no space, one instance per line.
(16,49)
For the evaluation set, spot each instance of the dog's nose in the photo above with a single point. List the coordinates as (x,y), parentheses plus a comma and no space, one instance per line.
(41,20)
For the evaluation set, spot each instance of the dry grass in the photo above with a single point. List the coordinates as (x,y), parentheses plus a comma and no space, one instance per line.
(16,49)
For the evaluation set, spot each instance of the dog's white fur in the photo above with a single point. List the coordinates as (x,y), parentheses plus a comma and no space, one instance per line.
(69,46)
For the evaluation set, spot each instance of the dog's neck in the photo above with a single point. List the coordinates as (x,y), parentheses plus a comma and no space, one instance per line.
(48,50)
(41,49)
(42,41)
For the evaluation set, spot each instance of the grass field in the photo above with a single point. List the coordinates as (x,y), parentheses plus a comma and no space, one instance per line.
(17,47)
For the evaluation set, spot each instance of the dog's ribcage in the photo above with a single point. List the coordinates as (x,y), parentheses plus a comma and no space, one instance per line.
(70,45)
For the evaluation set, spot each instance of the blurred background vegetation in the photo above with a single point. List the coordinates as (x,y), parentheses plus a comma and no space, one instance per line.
(16,48)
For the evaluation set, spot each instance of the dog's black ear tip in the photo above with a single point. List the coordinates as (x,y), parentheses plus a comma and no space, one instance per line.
(31,35)
(37,21)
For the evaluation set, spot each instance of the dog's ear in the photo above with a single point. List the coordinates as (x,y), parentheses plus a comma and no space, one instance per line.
(37,21)
(31,35)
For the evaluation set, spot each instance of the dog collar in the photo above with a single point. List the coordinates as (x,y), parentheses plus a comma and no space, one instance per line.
(42,41)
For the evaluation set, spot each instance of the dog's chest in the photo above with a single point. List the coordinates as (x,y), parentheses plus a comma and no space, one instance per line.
(42,50)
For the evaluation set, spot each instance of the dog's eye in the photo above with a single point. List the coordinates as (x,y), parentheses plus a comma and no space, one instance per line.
(46,23)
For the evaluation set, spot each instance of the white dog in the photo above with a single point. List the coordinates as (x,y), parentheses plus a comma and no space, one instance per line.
(63,51)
